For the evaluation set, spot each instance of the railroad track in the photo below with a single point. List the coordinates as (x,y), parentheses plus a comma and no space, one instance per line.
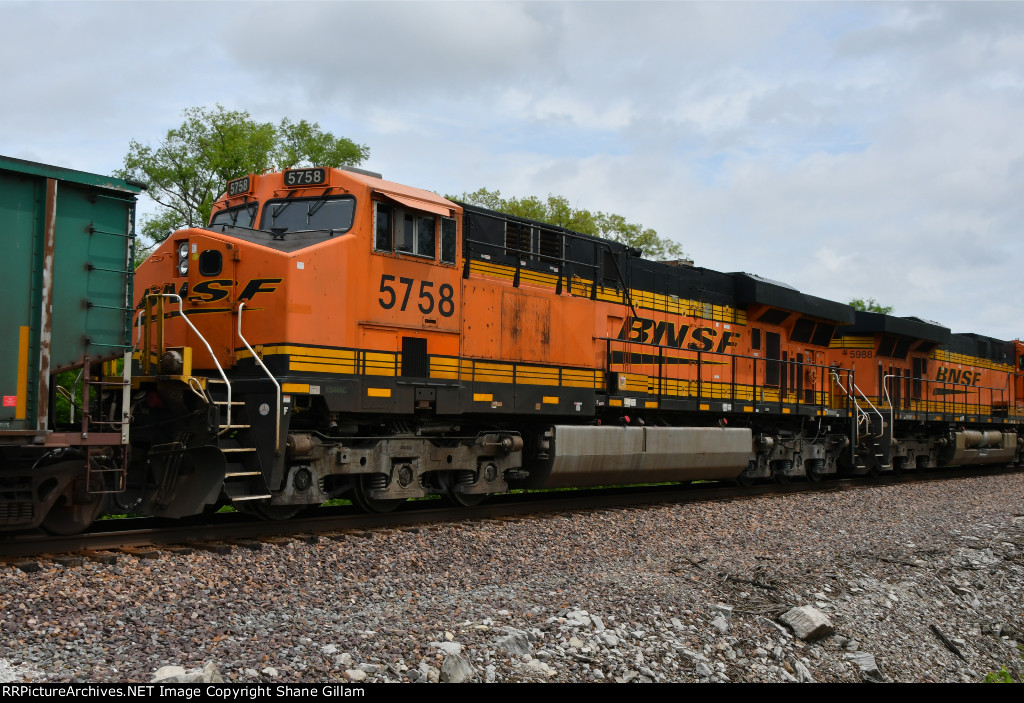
(223,532)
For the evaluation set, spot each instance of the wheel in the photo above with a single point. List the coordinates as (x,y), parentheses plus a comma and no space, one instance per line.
(780,471)
(70,520)
(745,480)
(372,505)
(448,480)
(76,508)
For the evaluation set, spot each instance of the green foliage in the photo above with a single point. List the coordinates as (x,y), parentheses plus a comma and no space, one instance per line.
(870,305)
(1004,675)
(70,385)
(66,380)
(188,170)
(1001,676)
(556,210)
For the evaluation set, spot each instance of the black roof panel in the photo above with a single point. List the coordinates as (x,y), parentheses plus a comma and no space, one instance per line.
(751,290)
(874,322)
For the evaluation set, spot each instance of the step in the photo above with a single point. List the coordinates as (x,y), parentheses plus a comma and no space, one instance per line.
(238,499)
(234,427)
(235,450)
(233,402)
(235,474)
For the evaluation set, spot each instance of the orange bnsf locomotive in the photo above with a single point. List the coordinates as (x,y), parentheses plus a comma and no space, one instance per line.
(331,334)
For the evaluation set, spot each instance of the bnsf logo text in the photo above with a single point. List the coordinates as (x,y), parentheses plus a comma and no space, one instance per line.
(665,334)
(968,378)
(210,291)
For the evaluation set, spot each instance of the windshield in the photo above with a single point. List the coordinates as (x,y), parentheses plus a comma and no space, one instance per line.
(299,214)
(242,216)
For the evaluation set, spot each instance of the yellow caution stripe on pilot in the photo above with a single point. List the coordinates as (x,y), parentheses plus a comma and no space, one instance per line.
(378,392)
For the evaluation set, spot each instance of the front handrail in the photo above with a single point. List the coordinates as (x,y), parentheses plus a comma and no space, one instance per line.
(277,432)
(220,370)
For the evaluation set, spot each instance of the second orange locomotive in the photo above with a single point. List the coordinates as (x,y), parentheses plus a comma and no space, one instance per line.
(332,334)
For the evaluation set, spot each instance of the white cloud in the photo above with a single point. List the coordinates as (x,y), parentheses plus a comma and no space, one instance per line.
(853,150)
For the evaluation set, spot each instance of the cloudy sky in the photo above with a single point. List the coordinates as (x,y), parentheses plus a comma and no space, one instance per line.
(849,149)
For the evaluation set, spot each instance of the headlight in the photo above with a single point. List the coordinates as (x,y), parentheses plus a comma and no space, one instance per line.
(183,259)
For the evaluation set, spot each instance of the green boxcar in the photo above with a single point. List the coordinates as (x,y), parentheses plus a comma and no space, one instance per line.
(66,248)
(65,264)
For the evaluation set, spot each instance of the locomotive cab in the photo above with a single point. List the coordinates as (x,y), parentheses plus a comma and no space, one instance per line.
(318,303)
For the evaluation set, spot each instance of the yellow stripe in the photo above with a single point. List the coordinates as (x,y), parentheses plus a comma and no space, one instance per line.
(22,402)
(953,358)
(537,375)
(378,392)
(483,397)
(550,399)
(641,298)
(615,402)
(380,364)
(577,378)
(651,404)
(317,360)
(322,368)
(444,367)
(852,343)
(295,388)
(492,378)
(705,406)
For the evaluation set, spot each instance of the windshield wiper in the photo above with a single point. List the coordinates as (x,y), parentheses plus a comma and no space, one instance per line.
(278,209)
(315,207)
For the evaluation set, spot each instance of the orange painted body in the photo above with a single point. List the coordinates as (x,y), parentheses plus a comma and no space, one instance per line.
(343,306)
(323,295)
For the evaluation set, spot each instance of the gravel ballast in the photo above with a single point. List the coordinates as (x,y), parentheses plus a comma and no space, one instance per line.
(911,582)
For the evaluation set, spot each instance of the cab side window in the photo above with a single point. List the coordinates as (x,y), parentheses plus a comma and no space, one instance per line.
(448,240)
(398,230)
(383,223)
(416,235)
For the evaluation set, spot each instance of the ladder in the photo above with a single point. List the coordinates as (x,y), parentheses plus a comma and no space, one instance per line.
(869,429)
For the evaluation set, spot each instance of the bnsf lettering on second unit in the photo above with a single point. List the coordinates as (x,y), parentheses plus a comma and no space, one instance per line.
(947,375)
(665,334)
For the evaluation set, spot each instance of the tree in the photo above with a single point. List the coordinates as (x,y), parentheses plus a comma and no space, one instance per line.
(556,210)
(870,305)
(188,170)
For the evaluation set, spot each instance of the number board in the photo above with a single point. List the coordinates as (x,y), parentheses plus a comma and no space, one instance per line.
(238,186)
(299,177)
